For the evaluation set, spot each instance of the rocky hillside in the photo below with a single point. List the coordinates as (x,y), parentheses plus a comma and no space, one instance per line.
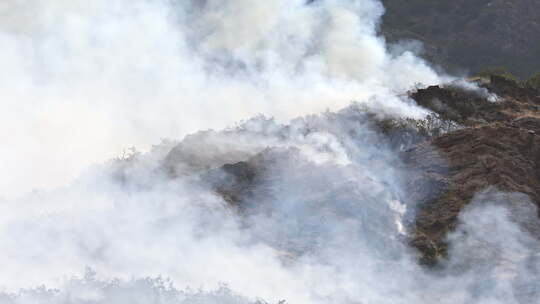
(498,147)
(469,36)
(481,139)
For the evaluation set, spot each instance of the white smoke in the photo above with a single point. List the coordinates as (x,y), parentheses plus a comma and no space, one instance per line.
(81,81)
(311,231)
(322,223)
(493,256)
(125,221)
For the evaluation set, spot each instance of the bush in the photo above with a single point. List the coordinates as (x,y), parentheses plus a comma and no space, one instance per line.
(404,133)
(534,81)
(499,71)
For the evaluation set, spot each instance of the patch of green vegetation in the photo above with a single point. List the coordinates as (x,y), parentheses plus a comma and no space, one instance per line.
(498,71)
(534,81)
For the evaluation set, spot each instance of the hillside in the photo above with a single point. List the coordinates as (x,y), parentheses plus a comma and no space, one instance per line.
(476,146)
(469,36)
(282,152)
(499,147)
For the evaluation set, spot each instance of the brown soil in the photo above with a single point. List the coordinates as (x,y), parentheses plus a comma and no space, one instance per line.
(500,147)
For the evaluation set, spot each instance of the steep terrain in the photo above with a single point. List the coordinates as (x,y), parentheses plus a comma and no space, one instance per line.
(469,36)
(478,141)
(499,147)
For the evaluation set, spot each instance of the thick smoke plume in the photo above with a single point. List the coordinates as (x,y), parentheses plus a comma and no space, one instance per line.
(81,81)
(323,223)
(321,217)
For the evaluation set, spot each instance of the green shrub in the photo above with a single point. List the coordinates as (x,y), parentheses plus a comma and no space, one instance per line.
(499,71)
(534,81)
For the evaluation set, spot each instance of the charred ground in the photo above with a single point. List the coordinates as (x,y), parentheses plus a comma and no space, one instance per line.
(476,139)
(499,146)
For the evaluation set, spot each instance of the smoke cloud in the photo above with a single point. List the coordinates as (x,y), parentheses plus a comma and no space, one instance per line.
(322,217)
(82,81)
(312,229)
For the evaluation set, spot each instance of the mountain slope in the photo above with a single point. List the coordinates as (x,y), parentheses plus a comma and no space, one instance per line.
(490,146)
(470,36)
(499,147)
